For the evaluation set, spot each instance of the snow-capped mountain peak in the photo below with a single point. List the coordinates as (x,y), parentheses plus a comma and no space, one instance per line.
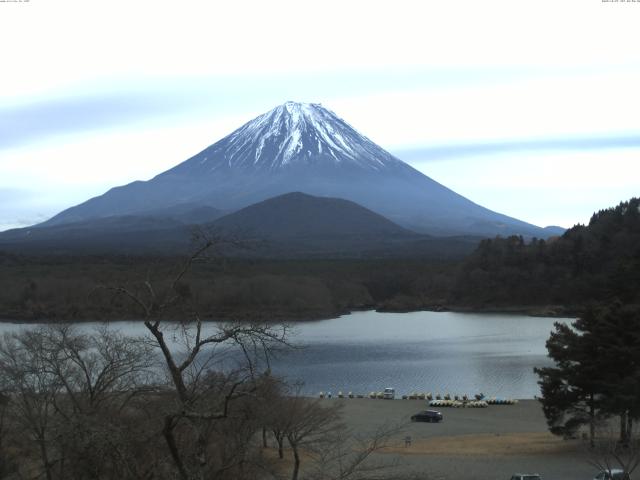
(302,147)
(293,134)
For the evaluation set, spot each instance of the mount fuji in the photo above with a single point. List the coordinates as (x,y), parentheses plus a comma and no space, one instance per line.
(300,147)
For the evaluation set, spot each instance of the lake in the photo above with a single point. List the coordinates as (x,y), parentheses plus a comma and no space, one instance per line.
(438,352)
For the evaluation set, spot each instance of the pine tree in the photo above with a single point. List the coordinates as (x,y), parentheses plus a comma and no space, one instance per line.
(570,390)
(596,373)
(617,328)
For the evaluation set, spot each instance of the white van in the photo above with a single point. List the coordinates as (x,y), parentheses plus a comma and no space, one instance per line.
(389,393)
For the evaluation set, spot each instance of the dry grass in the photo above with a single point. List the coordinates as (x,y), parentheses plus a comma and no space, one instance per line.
(488,444)
(284,465)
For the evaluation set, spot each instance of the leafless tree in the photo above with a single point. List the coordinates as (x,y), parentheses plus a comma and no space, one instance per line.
(68,391)
(101,373)
(315,433)
(609,453)
(347,455)
(272,416)
(6,464)
(104,367)
(210,366)
(306,423)
(32,390)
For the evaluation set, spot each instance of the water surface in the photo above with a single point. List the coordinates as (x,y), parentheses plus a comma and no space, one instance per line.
(438,352)
(445,352)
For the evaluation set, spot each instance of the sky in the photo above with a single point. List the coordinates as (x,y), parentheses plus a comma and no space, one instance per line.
(529,108)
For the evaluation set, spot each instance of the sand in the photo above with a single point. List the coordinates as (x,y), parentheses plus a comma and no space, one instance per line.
(471,444)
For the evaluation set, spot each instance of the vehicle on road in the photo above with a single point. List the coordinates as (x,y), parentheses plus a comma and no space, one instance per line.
(525,476)
(389,393)
(430,416)
(613,474)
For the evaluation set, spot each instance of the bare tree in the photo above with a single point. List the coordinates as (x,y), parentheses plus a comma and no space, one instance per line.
(609,453)
(210,366)
(104,367)
(308,424)
(347,455)
(68,391)
(32,390)
(101,374)
(272,416)
(6,463)
(314,431)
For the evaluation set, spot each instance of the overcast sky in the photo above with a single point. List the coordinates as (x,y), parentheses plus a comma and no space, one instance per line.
(529,108)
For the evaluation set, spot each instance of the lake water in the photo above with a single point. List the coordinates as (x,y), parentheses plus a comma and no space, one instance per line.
(438,352)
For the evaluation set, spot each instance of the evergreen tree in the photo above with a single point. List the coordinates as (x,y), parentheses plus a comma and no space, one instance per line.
(617,328)
(570,389)
(599,262)
(596,372)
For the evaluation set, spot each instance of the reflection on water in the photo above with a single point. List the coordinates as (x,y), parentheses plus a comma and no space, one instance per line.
(438,352)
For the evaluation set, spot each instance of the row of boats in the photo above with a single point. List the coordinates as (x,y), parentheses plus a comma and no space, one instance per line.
(437,400)
(459,404)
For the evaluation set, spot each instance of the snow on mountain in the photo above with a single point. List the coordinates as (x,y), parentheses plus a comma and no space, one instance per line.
(293,134)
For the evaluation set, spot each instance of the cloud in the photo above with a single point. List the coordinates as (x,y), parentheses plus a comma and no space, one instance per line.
(25,123)
(442,152)
(560,187)
(20,207)
(144,100)
(9,194)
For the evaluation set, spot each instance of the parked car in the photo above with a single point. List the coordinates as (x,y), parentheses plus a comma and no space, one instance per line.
(616,474)
(525,476)
(389,393)
(431,416)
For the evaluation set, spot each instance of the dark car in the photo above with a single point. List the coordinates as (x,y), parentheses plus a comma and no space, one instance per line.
(431,416)
(613,474)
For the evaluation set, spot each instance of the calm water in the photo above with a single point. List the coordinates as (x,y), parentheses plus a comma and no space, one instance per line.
(434,352)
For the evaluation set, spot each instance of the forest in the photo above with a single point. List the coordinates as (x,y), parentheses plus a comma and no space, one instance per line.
(590,263)
(593,263)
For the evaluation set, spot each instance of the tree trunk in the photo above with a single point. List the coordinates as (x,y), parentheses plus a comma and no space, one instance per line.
(623,428)
(167,431)
(45,458)
(201,452)
(174,371)
(592,422)
(280,441)
(296,462)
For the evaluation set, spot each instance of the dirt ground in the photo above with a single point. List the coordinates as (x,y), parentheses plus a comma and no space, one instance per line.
(472,444)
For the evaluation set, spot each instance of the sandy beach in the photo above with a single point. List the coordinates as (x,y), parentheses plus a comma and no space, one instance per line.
(472,444)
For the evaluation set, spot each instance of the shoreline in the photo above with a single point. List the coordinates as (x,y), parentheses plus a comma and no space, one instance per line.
(542,311)
(546,311)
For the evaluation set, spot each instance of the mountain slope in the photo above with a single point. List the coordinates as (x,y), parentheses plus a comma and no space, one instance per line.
(304,148)
(293,225)
(297,225)
(298,215)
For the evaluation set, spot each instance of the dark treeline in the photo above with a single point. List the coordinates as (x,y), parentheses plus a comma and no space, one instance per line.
(69,288)
(593,263)
(596,263)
